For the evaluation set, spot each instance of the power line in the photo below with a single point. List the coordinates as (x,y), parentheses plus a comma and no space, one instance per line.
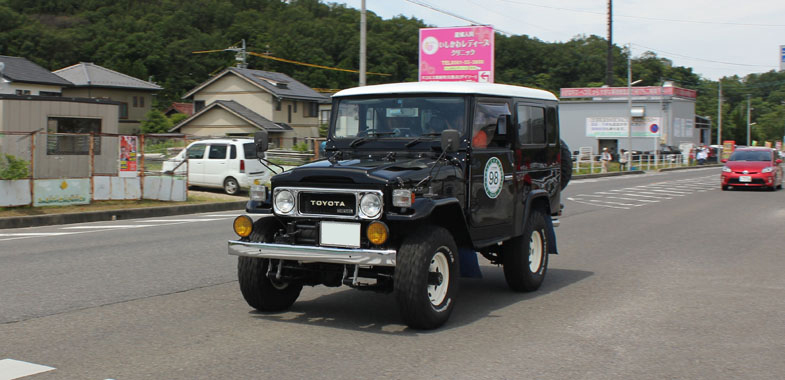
(644,17)
(699,59)
(451,14)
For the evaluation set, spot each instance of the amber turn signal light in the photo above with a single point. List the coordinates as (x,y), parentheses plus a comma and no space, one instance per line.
(243,225)
(377,233)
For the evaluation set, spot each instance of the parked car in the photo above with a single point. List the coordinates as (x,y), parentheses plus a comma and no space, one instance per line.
(230,164)
(752,167)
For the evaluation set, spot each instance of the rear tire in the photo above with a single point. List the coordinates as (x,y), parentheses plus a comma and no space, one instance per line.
(525,259)
(566,165)
(231,186)
(259,291)
(426,277)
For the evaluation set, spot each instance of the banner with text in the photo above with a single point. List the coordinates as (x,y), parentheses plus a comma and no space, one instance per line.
(461,54)
(618,127)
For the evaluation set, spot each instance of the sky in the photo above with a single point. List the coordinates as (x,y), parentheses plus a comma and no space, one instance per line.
(717,38)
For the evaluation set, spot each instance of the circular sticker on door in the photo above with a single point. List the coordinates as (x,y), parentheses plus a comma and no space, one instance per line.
(493,176)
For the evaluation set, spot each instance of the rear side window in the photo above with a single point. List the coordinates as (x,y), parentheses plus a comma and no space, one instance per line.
(552,125)
(217,152)
(233,152)
(196,151)
(249,151)
(531,125)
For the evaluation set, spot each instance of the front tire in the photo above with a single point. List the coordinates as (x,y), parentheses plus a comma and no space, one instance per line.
(426,277)
(525,258)
(259,291)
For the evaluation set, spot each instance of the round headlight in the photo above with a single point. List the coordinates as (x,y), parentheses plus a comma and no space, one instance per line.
(371,205)
(284,201)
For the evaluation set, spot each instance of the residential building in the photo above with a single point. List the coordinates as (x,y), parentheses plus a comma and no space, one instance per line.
(21,77)
(135,96)
(183,108)
(241,101)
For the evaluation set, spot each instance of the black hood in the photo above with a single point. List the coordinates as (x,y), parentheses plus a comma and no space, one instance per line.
(377,171)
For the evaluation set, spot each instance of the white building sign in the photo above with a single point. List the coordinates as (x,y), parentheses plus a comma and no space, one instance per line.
(618,127)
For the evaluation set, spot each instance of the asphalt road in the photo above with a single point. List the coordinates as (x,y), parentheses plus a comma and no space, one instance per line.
(659,276)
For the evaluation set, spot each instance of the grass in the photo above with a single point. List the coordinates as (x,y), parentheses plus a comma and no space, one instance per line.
(110,205)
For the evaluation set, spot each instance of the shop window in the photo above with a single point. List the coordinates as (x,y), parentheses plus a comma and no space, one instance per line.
(72,145)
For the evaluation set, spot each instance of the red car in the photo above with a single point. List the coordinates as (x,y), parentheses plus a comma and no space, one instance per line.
(752,167)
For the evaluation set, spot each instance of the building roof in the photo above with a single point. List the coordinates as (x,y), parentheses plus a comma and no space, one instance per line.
(449,88)
(240,111)
(87,74)
(18,69)
(278,84)
(184,108)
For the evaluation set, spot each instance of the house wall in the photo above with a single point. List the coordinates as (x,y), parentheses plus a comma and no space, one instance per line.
(35,89)
(217,123)
(231,87)
(129,125)
(22,115)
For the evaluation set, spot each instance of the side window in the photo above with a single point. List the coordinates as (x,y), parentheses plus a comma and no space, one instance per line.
(531,125)
(484,125)
(552,125)
(196,151)
(233,152)
(217,152)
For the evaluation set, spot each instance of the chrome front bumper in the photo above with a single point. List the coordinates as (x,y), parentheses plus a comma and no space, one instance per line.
(311,254)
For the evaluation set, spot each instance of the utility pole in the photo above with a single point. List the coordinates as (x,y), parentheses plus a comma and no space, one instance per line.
(609,59)
(719,113)
(362,43)
(748,119)
(629,97)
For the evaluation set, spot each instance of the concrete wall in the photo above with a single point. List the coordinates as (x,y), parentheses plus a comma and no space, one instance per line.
(22,115)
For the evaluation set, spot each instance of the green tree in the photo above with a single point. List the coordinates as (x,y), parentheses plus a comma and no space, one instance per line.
(156,122)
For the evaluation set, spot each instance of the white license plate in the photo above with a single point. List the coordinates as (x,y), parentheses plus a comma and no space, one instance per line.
(745,178)
(339,234)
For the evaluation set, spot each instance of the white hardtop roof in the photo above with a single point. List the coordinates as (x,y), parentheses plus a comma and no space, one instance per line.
(491,89)
(223,141)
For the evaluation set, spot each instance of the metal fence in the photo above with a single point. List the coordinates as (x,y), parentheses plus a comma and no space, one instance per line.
(588,163)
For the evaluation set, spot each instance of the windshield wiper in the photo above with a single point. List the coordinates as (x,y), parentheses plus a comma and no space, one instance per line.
(422,138)
(363,139)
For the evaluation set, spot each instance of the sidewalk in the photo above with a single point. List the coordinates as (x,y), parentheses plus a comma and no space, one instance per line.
(133,213)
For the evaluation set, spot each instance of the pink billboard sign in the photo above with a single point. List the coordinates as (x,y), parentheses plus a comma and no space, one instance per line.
(460,54)
(588,92)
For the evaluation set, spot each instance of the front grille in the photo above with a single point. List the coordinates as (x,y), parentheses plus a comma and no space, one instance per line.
(747,173)
(755,181)
(343,204)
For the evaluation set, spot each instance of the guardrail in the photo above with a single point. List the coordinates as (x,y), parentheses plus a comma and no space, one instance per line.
(588,164)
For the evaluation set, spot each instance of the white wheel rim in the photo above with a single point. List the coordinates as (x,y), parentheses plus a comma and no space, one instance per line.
(535,252)
(439,264)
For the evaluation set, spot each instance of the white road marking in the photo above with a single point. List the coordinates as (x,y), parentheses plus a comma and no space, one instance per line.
(108,226)
(35,234)
(179,220)
(13,369)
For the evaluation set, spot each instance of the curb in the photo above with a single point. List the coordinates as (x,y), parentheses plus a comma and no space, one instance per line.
(99,216)
(616,174)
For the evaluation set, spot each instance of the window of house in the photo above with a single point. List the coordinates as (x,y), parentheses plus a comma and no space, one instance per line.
(324,118)
(295,106)
(123,110)
(23,92)
(277,103)
(135,103)
(141,101)
(311,109)
(198,105)
(49,93)
(72,144)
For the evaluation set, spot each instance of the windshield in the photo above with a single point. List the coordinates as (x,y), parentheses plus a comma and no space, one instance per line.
(397,117)
(750,155)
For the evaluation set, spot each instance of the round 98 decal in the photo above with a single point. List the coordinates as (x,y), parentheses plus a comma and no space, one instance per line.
(493,177)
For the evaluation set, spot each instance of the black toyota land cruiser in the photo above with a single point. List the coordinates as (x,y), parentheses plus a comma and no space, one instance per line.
(418,178)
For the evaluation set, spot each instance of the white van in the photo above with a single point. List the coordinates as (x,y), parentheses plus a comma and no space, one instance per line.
(230,164)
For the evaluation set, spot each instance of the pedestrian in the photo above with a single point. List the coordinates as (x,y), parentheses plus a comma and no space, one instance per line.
(605,157)
(702,155)
(623,159)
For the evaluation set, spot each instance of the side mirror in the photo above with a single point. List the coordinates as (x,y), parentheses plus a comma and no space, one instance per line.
(260,141)
(501,125)
(779,160)
(724,160)
(450,140)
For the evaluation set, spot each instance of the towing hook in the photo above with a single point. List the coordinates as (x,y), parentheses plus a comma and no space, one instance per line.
(435,278)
